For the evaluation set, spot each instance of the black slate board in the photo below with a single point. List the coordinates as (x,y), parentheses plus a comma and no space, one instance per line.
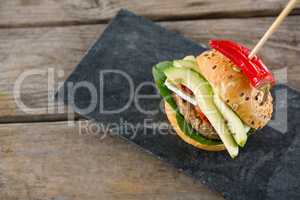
(268,168)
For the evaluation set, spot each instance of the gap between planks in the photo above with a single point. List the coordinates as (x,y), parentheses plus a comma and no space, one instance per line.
(155,18)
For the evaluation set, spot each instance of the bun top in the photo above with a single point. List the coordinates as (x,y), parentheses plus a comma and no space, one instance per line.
(235,89)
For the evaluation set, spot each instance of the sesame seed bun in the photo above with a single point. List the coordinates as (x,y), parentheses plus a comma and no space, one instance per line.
(235,89)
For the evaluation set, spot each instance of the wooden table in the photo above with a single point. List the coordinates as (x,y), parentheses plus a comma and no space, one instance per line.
(42,157)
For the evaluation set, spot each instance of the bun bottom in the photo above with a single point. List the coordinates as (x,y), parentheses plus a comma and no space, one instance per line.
(173,121)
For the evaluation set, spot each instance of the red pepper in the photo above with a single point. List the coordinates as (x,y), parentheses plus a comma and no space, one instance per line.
(255,70)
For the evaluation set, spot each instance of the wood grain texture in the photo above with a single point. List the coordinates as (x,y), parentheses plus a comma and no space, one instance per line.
(44,51)
(57,161)
(61,12)
(57,50)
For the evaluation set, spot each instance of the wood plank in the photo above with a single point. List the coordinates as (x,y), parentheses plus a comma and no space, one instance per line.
(61,161)
(45,49)
(52,12)
(59,49)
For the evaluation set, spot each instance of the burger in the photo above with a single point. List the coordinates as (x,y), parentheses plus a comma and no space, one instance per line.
(216,100)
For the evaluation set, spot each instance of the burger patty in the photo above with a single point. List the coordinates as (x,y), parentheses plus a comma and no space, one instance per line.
(190,115)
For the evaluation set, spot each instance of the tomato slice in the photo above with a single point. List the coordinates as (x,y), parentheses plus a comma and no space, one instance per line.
(186,89)
(201,114)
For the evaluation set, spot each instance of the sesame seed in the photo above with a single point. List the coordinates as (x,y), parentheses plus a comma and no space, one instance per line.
(235,106)
(236,69)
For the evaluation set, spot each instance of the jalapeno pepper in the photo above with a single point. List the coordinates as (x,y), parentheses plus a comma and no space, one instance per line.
(255,70)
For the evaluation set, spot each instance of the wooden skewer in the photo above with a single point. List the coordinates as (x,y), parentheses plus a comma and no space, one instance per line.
(289,7)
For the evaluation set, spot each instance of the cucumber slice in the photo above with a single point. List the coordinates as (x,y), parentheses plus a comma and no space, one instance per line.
(191,58)
(234,124)
(177,91)
(247,129)
(204,98)
(187,63)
